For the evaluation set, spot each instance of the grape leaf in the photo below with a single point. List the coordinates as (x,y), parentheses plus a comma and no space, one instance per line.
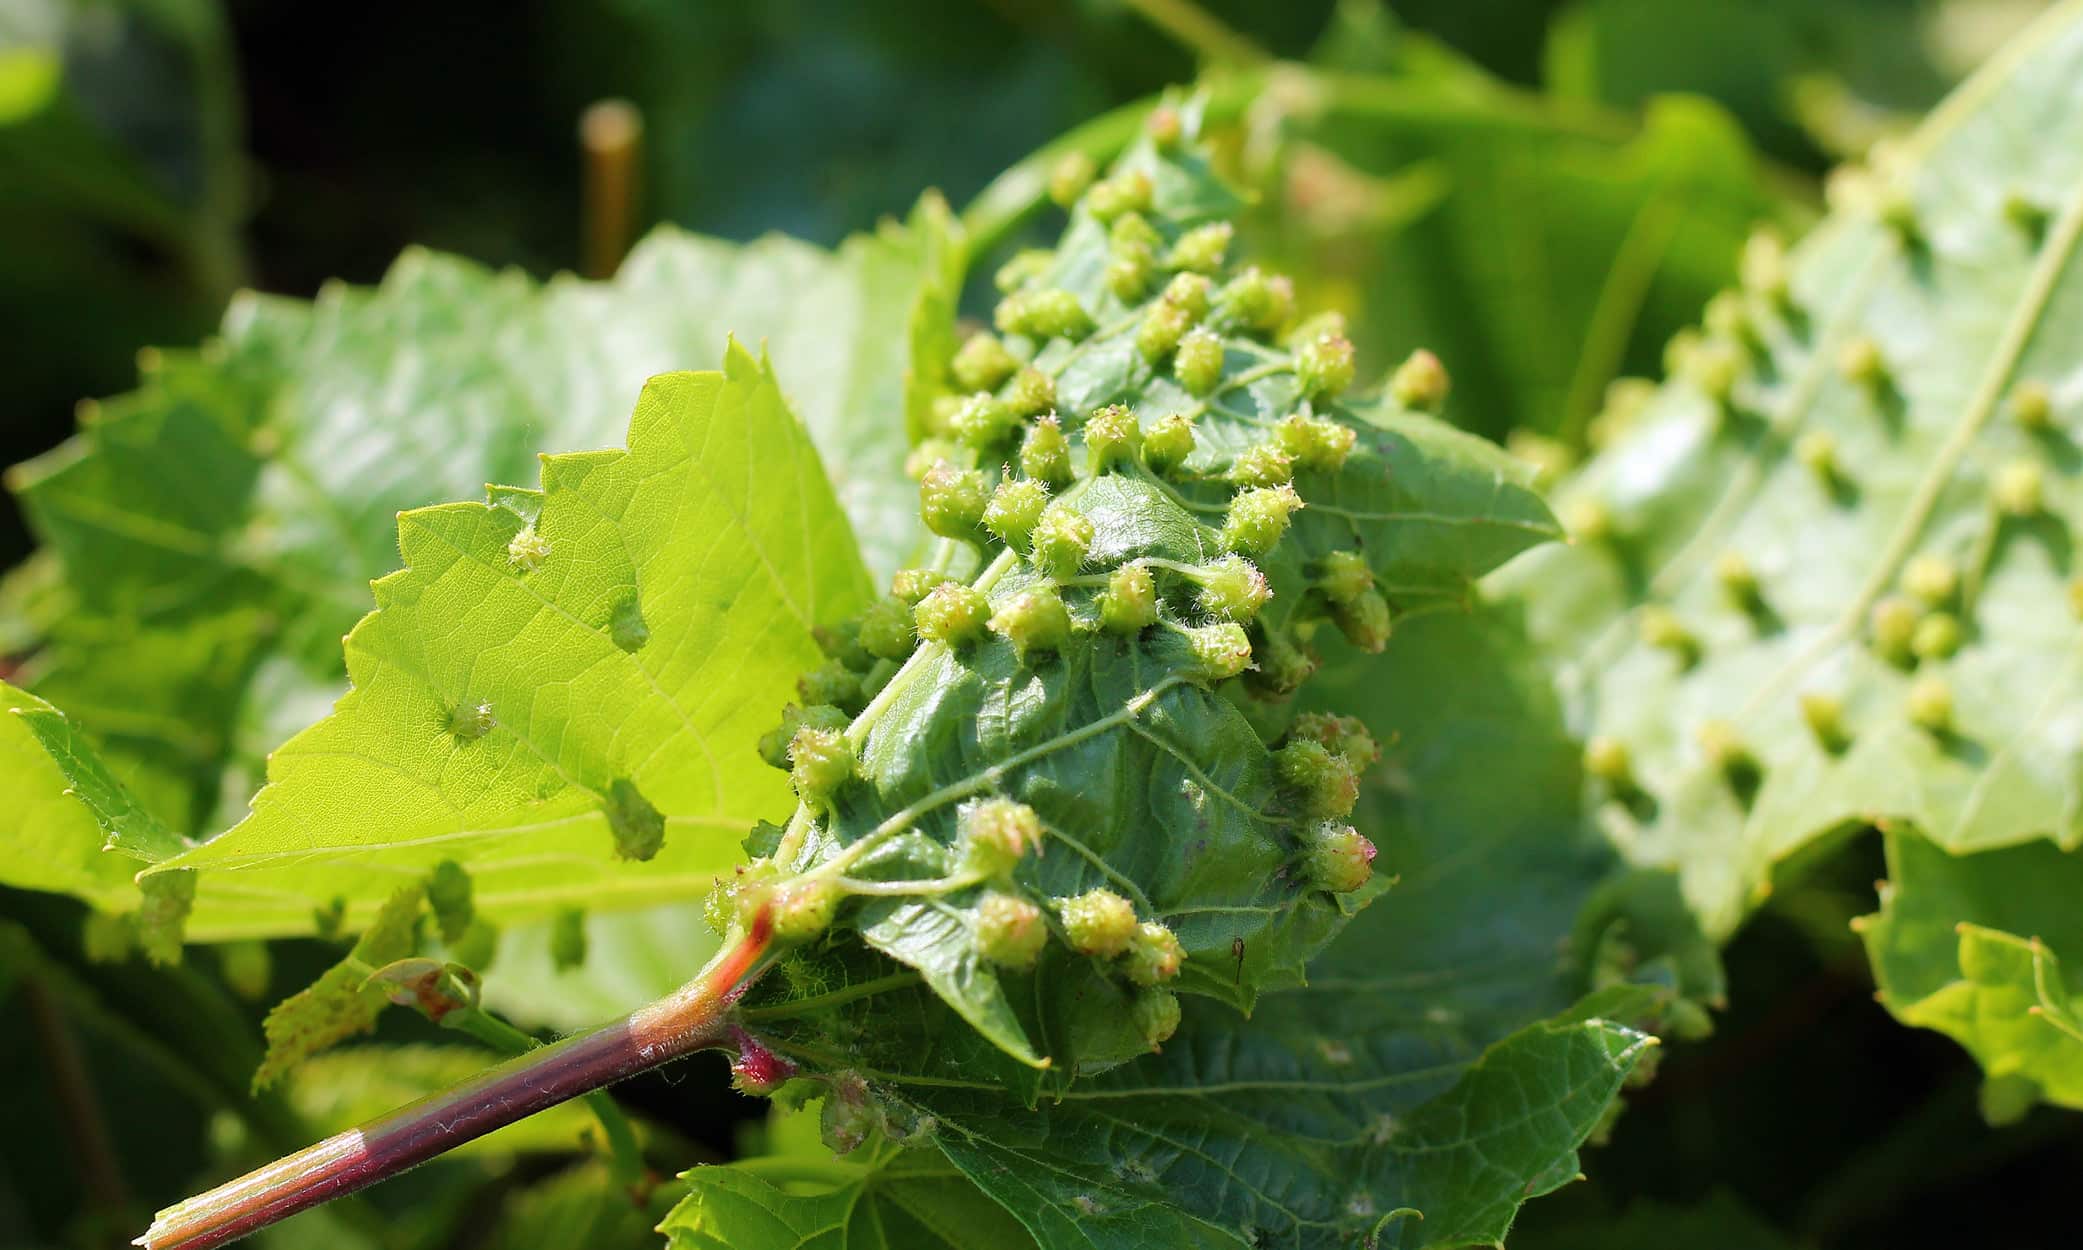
(532,698)
(55,842)
(886,1201)
(1825,581)
(215,527)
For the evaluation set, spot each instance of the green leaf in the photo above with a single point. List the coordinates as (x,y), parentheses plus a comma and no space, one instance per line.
(215,527)
(54,842)
(1790,644)
(910,1200)
(500,719)
(341,1003)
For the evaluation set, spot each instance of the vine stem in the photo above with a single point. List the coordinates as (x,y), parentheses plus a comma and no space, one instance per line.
(694,1017)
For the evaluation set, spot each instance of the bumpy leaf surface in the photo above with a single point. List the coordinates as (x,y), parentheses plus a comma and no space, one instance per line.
(1827,581)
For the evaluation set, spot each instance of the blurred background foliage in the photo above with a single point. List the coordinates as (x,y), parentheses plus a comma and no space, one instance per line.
(1543,192)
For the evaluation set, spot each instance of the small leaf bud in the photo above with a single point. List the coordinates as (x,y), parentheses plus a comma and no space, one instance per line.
(1061,537)
(1344,576)
(1232,588)
(1220,651)
(1420,382)
(1316,443)
(1169,442)
(1045,454)
(1153,956)
(997,834)
(1014,509)
(953,614)
(1365,621)
(1098,922)
(819,760)
(1129,603)
(1050,312)
(886,629)
(1112,437)
(1197,362)
(1032,620)
(1203,248)
(757,1071)
(1257,519)
(1262,464)
(1337,858)
(952,500)
(1321,781)
(983,364)
(1010,931)
(1155,1012)
(1324,367)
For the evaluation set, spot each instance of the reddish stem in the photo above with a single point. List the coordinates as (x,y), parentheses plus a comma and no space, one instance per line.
(692,1018)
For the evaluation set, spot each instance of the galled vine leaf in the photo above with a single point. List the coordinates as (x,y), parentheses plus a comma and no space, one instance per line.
(563,678)
(207,537)
(1826,581)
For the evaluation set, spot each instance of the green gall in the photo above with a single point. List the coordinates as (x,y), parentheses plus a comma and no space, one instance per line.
(952,501)
(1133,231)
(1320,781)
(1232,588)
(1714,367)
(1016,506)
(932,450)
(1069,178)
(1045,454)
(1898,212)
(1203,248)
(1420,382)
(1153,955)
(1817,451)
(1168,443)
(1126,192)
(1165,127)
(983,364)
(1337,858)
(982,422)
(819,760)
(952,614)
(1098,922)
(568,939)
(1010,931)
(773,745)
(1861,363)
(1033,621)
(470,721)
(1197,362)
(1763,267)
(1365,621)
(1724,749)
(1322,325)
(940,416)
(2025,216)
(1606,758)
(1324,366)
(1130,267)
(1031,394)
(912,585)
(850,1116)
(842,642)
(1162,327)
(832,683)
(1048,313)
(1660,627)
(449,896)
(1345,735)
(1586,520)
(1931,578)
(1155,1013)
(1728,319)
(2032,406)
(804,908)
(1112,437)
(1282,664)
(1824,716)
(886,629)
(1256,303)
(2019,488)
(1257,519)
(1061,537)
(1316,443)
(1129,603)
(1025,267)
(1190,293)
(995,835)
(1219,652)
(1893,626)
(527,550)
(1738,580)
(1930,703)
(1264,464)
(1937,636)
